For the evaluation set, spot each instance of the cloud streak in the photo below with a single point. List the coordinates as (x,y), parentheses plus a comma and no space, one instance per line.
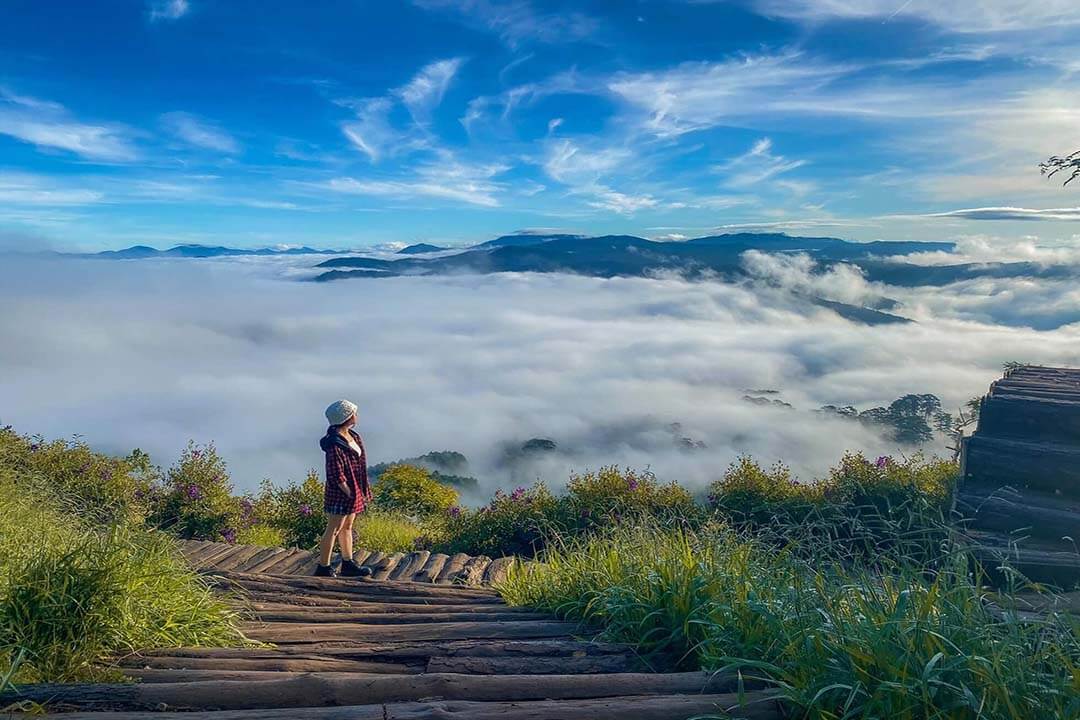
(200,133)
(48,126)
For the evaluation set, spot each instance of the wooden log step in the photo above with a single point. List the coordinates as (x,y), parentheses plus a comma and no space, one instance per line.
(1041,561)
(1027,513)
(329,689)
(234,561)
(535,665)
(472,571)
(497,570)
(409,565)
(452,568)
(258,558)
(431,568)
(344,608)
(404,650)
(393,618)
(321,632)
(154,675)
(264,591)
(359,586)
(209,555)
(382,570)
(1047,467)
(750,706)
(271,661)
(274,558)
(1020,417)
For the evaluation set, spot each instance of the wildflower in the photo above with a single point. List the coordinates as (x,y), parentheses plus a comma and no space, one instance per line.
(193,492)
(882,462)
(305,510)
(229,535)
(632,484)
(519,492)
(454,511)
(246,506)
(34,447)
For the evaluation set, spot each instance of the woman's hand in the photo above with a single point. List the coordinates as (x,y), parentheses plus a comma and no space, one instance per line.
(346,489)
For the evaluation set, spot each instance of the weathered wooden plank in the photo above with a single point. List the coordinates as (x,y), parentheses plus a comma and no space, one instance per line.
(268,560)
(1043,466)
(497,571)
(473,570)
(235,560)
(393,618)
(153,675)
(360,586)
(344,608)
(1027,513)
(535,665)
(409,565)
(453,567)
(276,592)
(287,560)
(407,651)
(1012,416)
(321,632)
(213,554)
(431,568)
(258,558)
(360,556)
(271,661)
(386,566)
(749,706)
(332,689)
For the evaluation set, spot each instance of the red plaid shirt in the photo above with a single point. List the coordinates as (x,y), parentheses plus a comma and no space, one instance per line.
(345,467)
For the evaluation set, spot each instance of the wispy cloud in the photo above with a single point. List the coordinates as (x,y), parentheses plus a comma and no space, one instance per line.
(447,179)
(199,133)
(168,9)
(27,189)
(425,91)
(756,165)
(517,22)
(48,125)
(1012,213)
(961,16)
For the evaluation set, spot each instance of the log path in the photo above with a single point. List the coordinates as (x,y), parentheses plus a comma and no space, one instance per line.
(421,566)
(404,649)
(1020,491)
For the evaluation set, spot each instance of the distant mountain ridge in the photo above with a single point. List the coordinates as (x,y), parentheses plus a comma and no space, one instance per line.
(140,252)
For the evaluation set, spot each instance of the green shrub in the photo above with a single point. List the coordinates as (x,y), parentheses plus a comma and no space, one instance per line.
(295,510)
(518,523)
(610,496)
(387,532)
(74,593)
(196,500)
(259,534)
(101,488)
(836,640)
(412,490)
(885,509)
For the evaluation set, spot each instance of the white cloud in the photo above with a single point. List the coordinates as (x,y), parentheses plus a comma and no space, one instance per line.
(446,179)
(518,22)
(602,366)
(988,249)
(568,163)
(26,189)
(195,131)
(607,199)
(425,91)
(756,165)
(962,16)
(168,9)
(48,125)
(1012,213)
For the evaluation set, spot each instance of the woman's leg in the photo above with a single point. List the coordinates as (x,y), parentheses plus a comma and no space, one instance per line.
(345,537)
(326,544)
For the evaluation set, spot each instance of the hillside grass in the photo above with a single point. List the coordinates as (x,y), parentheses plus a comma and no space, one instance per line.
(82,581)
(837,639)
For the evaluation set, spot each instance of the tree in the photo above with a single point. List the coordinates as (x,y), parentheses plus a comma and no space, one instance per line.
(1068,164)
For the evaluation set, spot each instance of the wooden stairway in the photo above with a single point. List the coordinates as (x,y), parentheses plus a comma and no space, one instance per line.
(367,649)
(420,566)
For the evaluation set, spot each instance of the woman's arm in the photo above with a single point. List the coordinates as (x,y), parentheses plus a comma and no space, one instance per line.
(336,472)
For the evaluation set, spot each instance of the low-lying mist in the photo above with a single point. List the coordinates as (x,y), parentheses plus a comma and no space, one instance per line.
(150,354)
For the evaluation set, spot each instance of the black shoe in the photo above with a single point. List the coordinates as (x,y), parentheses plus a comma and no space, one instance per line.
(351,569)
(325,571)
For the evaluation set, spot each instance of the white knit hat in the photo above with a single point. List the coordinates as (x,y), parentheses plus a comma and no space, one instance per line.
(340,411)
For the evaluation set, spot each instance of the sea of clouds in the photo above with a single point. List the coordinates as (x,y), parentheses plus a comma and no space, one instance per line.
(151,354)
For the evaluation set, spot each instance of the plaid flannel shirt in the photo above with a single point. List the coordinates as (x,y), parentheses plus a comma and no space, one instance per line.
(345,467)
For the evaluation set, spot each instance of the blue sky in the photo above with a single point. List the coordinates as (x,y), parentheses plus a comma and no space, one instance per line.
(349,123)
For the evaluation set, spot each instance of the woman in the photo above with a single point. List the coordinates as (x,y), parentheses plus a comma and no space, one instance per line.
(347,489)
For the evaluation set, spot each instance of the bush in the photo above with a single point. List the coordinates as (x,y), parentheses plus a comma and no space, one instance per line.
(885,508)
(412,490)
(381,531)
(196,500)
(101,488)
(74,593)
(837,641)
(610,496)
(519,523)
(294,510)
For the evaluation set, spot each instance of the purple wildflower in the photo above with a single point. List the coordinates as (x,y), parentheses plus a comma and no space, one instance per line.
(882,462)
(34,447)
(454,511)
(305,510)
(229,535)
(519,492)
(632,484)
(193,492)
